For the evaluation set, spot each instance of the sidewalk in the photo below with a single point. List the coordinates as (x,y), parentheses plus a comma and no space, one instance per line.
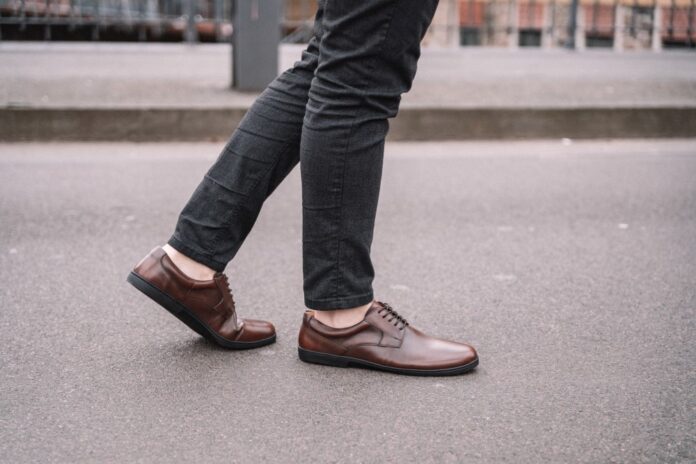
(107,91)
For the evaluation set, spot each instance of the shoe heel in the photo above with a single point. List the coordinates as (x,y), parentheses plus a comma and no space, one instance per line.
(186,316)
(322,358)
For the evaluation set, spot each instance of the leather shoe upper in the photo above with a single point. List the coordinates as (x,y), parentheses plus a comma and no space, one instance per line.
(386,338)
(210,300)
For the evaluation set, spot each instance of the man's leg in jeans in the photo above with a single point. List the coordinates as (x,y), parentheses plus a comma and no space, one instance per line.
(368,57)
(369,51)
(185,275)
(261,152)
(259,155)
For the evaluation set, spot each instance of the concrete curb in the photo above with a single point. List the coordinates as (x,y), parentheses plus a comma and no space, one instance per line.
(412,123)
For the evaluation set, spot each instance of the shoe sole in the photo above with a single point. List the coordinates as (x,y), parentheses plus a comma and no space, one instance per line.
(188,317)
(315,357)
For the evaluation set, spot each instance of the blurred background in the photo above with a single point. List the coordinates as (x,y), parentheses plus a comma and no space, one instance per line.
(187,70)
(618,24)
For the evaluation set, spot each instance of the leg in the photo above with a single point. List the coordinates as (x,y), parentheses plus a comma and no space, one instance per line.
(368,59)
(369,51)
(223,209)
(258,156)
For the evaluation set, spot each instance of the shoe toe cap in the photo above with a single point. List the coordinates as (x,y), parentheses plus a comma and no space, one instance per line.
(468,353)
(454,354)
(255,329)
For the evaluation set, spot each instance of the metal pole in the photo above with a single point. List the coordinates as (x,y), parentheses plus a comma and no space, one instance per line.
(572,25)
(142,35)
(191,34)
(255,39)
(47,19)
(97,16)
(595,13)
(690,27)
(23,16)
(656,27)
(218,19)
(619,23)
(513,24)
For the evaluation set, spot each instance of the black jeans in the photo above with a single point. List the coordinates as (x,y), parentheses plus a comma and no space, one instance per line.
(329,112)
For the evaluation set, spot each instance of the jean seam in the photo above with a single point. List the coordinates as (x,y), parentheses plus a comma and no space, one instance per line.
(322,304)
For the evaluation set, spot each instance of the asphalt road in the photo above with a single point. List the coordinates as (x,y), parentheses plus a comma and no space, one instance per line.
(571,267)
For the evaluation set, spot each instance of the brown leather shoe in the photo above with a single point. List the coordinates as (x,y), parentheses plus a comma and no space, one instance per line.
(206,306)
(383,340)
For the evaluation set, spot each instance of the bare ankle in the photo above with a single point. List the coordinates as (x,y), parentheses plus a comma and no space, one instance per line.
(188,266)
(339,318)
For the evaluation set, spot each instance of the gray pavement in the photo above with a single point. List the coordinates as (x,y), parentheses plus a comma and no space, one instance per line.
(105,91)
(93,75)
(570,266)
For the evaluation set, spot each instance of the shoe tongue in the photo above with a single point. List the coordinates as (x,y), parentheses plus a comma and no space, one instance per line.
(375,306)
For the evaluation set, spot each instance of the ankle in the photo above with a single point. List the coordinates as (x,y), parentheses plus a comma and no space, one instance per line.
(340,318)
(188,266)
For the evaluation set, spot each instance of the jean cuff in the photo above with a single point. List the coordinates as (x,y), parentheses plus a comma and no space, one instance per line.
(339,303)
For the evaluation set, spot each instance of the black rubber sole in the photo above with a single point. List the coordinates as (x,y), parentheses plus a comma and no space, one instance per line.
(188,317)
(346,361)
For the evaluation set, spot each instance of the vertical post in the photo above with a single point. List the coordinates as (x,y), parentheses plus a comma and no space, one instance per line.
(657,28)
(572,24)
(218,20)
(471,16)
(619,21)
(531,14)
(580,37)
(190,34)
(152,9)
(23,16)
(255,39)
(453,23)
(549,25)
(142,33)
(690,27)
(97,18)
(155,16)
(71,16)
(513,24)
(595,13)
(47,19)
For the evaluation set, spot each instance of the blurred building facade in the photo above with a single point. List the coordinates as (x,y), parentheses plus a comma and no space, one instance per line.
(634,24)
(620,24)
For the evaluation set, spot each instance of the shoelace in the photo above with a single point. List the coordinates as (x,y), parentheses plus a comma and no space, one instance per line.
(394,317)
(229,290)
(240,322)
